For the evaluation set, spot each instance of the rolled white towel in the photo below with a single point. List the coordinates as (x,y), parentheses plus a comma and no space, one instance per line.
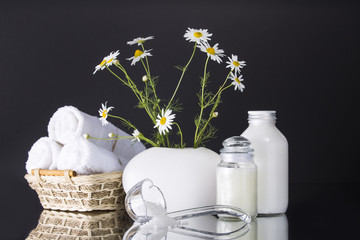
(43,154)
(69,123)
(85,157)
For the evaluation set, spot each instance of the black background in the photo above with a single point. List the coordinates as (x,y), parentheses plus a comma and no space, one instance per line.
(302,61)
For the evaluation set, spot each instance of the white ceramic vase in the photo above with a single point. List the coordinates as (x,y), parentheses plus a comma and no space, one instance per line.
(187,177)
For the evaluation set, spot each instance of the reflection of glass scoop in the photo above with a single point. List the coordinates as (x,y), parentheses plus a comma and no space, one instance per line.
(145,204)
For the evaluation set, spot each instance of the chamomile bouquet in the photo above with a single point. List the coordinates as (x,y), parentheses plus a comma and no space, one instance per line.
(162,113)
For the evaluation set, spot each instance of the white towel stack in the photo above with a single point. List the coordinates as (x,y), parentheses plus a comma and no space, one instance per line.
(65,147)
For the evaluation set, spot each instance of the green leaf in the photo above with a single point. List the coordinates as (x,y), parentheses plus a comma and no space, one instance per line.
(181,68)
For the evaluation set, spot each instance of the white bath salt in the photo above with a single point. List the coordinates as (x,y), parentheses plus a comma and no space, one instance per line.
(159,222)
(157,227)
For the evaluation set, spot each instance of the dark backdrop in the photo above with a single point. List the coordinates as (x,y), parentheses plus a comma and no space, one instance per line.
(302,61)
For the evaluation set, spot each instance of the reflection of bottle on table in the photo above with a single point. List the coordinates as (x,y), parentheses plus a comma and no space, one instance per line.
(274,227)
(224,226)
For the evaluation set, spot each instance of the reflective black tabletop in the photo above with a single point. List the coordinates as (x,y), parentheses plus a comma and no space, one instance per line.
(316,211)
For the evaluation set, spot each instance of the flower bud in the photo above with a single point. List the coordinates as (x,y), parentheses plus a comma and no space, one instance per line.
(86,136)
(116,62)
(111,135)
(144,78)
(215,114)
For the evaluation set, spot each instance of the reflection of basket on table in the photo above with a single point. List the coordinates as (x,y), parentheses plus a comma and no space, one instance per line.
(64,190)
(80,226)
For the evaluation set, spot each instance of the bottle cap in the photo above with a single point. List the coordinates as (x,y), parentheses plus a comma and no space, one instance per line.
(262,116)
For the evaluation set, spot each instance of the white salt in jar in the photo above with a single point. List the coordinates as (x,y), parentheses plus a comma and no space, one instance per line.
(271,158)
(236,176)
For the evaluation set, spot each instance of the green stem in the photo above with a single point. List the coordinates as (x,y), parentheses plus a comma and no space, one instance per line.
(151,83)
(141,137)
(147,62)
(122,119)
(130,82)
(182,75)
(211,113)
(219,91)
(201,103)
(203,129)
(133,87)
(146,94)
(148,141)
(121,137)
(146,69)
(181,135)
(227,87)
(101,138)
(122,80)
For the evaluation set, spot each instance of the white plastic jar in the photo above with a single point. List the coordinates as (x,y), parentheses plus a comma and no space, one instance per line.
(271,158)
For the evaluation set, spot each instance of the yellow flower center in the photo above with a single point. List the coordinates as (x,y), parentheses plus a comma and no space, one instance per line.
(236,63)
(211,50)
(110,60)
(104,113)
(163,120)
(138,53)
(102,63)
(237,80)
(197,34)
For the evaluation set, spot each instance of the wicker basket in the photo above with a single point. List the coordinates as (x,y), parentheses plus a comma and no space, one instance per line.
(79,193)
(96,225)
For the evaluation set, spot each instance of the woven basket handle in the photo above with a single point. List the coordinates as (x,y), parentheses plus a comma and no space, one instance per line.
(44,172)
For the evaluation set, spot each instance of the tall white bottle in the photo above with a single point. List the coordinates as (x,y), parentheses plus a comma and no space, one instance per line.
(271,157)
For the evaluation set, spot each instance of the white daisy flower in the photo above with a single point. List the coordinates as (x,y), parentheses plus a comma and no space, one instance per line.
(138,55)
(112,58)
(234,63)
(164,121)
(139,40)
(213,52)
(197,35)
(101,66)
(136,135)
(107,61)
(237,81)
(103,112)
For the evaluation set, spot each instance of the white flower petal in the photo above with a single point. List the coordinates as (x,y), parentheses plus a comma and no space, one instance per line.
(139,40)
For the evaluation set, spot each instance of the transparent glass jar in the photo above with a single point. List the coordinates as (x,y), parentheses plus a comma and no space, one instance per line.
(236,176)
(271,158)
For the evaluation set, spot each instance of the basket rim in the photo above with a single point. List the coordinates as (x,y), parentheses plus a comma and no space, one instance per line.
(78,179)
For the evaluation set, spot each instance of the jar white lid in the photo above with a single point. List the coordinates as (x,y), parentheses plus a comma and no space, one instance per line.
(236,144)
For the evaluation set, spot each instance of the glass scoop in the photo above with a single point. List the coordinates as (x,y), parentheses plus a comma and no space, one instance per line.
(146,205)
